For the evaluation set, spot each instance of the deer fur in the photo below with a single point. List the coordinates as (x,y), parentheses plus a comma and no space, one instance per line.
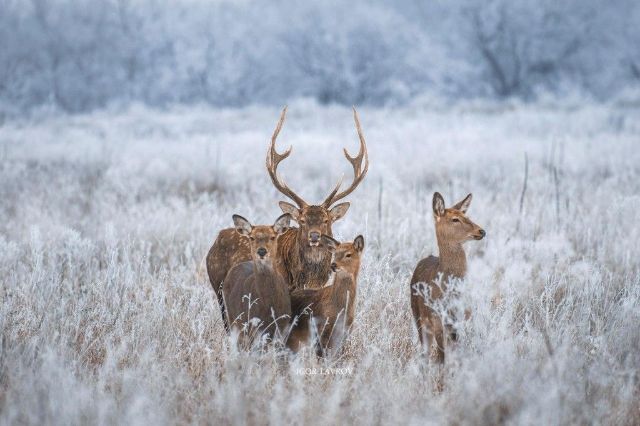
(328,312)
(453,228)
(307,264)
(255,295)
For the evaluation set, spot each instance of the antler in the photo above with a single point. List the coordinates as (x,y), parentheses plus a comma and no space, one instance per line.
(359,172)
(274,158)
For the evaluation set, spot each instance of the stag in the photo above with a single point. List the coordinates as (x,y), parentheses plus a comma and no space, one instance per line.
(302,259)
(307,262)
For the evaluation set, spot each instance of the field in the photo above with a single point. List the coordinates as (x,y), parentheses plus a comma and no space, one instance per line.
(105,218)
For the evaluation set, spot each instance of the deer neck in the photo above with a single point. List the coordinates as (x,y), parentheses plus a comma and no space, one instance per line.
(308,254)
(453,261)
(314,261)
(263,269)
(343,290)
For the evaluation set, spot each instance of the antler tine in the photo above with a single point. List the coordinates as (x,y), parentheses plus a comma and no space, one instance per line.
(273,160)
(274,156)
(327,202)
(359,172)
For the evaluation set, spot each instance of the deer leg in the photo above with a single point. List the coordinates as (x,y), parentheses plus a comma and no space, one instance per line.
(437,340)
(430,331)
(452,330)
(437,355)
(223,310)
(451,339)
(423,334)
(421,318)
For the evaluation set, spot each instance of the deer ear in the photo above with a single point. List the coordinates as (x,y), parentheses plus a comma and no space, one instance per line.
(464,204)
(438,204)
(338,211)
(290,208)
(358,243)
(282,223)
(242,225)
(329,243)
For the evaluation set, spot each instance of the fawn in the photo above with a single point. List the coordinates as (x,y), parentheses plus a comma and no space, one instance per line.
(453,228)
(256,296)
(332,308)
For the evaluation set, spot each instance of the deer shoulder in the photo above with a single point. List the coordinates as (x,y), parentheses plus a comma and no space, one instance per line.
(233,290)
(426,271)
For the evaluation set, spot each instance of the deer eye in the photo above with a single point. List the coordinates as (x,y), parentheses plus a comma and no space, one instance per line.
(273,238)
(348,255)
(252,238)
(301,221)
(455,219)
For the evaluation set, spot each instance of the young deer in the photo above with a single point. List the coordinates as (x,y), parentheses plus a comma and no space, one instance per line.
(332,307)
(303,261)
(256,296)
(453,228)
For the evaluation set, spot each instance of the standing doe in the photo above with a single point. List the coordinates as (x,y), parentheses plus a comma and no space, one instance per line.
(327,313)
(303,261)
(256,296)
(453,228)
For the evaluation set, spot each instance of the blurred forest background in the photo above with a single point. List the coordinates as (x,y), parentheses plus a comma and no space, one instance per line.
(79,55)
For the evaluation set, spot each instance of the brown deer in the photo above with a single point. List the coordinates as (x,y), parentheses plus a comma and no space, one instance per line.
(453,228)
(303,261)
(327,313)
(256,296)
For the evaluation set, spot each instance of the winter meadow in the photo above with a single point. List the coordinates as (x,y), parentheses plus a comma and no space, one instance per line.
(131,132)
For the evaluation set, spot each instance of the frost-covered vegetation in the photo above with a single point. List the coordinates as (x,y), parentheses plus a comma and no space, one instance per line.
(77,55)
(105,218)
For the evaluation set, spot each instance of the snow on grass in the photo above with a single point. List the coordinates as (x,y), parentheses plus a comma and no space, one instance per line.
(106,217)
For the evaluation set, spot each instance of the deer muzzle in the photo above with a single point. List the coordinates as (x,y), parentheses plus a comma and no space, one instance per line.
(314,238)
(480,235)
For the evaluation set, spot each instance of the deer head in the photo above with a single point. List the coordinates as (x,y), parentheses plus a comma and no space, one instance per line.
(452,224)
(262,238)
(316,220)
(346,256)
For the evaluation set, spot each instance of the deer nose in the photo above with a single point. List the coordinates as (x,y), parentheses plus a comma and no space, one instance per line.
(262,252)
(334,266)
(314,237)
(482,233)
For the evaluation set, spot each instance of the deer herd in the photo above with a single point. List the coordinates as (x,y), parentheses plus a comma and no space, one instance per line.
(296,286)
